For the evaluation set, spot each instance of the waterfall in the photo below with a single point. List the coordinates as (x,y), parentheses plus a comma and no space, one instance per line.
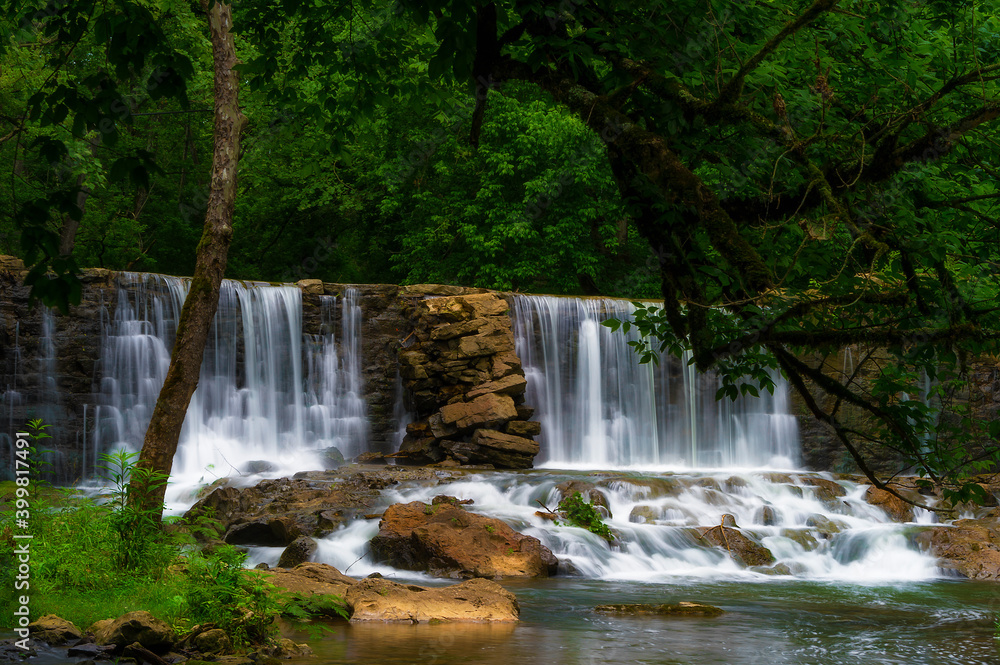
(268,398)
(336,406)
(600,407)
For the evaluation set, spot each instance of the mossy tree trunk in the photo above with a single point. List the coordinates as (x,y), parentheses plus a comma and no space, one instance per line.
(203,297)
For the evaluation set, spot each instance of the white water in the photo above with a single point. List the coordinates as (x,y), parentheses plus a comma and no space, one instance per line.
(253,402)
(600,408)
(657,519)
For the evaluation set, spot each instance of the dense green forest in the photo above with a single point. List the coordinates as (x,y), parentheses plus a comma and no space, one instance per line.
(398,196)
(789,176)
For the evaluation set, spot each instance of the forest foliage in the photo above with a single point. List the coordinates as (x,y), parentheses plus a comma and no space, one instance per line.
(791,177)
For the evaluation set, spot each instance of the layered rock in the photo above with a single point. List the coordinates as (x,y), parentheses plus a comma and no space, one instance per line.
(274,513)
(378,599)
(467,385)
(966,548)
(445,540)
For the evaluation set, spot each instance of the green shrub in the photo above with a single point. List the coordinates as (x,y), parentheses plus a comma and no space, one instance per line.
(582,514)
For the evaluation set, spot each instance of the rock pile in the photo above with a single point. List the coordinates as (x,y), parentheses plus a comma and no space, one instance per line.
(467,385)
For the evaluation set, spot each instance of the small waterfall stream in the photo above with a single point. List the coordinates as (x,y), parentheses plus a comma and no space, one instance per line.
(600,408)
(266,396)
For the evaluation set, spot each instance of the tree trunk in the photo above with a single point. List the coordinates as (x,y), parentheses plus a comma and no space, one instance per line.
(203,297)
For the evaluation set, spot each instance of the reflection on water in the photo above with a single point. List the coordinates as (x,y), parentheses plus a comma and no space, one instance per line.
(939,622)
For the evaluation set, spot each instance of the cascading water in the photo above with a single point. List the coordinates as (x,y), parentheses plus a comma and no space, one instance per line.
(600,408)
(253,402)
(817,528)
(334,400)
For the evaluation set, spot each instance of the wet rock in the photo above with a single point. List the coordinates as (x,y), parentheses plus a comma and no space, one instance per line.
(803,537)
(729,520)
(644,515)
(283,649)
(379,599)
(826,491)
(898,510)
(487,446)
(142,627)
(259,466)
(681,609)
(331,458)
(967,548)
(824,525)
(777,569)
(765,515)
(447,541)
(742,549)
(54,630)
(299,551)
(88,650)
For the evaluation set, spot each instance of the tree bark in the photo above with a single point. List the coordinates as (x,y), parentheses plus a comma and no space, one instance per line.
(203,296)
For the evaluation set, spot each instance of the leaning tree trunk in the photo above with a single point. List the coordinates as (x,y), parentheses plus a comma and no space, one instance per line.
(203,297)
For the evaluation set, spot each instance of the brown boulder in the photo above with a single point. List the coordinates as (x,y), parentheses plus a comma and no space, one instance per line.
(487,410)
(142,627)
(743,550)
(310,579)
(969,548)
(53,630)
(898,510)
(447,541)
(379,599)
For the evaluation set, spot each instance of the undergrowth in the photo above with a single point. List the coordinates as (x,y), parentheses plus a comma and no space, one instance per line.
(583,514)
(96,558)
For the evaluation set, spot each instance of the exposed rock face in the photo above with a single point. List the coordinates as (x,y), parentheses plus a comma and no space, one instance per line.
(447,541)
(142,627)
(276,512)
(53,630)
(967,548)
(467,384)
(378,599)
(744,550)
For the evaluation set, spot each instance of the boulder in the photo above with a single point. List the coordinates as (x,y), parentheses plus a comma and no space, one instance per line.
(488,446)
(588,491)
(311,579)
(683,608)
(142,627)
(53,630)
(447,541)
(259,466)
(487,410)
(299,551)
(967,548)
(212,641)
(765,515)
(898,510)
(379,599)
(744,550)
